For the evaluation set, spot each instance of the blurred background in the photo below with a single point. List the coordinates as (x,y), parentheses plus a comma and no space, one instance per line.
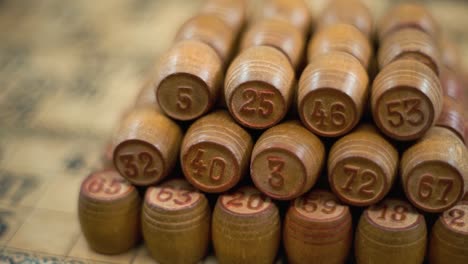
(68,69)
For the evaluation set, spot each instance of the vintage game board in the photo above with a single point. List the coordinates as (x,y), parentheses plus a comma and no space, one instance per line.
(67,71)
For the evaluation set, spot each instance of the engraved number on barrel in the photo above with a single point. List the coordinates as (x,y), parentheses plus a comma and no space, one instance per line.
(257,102)
(312,203)
(398,212)
(217,166)
(254,201)
(457,215)
(428,183)
(369,178)
(276,178)
(180,196)
(133,163)
(405,111)
(99,185)
(334,116)
(184,98)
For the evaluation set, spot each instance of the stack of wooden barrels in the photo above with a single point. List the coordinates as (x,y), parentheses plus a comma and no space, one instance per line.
(249,143)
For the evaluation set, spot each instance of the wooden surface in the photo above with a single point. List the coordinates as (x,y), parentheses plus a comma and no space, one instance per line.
(68,70)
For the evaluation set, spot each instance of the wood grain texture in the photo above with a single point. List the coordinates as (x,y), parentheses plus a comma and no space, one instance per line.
(146,146)
(352,12)
(233,12)
(245,228)
(215,152)
(362,167)
(188,80)
(408,15)
(406,99)
(453,117)
(450,54)
(295,12)
(176,222)
(109,212)
(286,161)
(434,171)
(392,231)
(212,30)
(341,37)
(279,34)
(317,229)
(412,44)
(332,92)
(449,236)
(452,84)
(259,87)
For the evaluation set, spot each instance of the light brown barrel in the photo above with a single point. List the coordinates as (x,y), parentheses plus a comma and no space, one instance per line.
(412,44)
(391,232)
(146,146)
(259,87)
(176,222)
(362,167)
(449,237)
(406,99)
(453,117)
(146,98)
(286,161)
(452,84)
(341,37)
(188,80)
(233,12)
(408,15)
(332,93)
(317,229)
(212,30)
(295,12)
(215,152)
(107,202)
(352,12)
(278,34)
(434,171)
(450,53)
(245,228)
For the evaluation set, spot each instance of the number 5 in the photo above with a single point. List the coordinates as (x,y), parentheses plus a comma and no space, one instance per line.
(184,98)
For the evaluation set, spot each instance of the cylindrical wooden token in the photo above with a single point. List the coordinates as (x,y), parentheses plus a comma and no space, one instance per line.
(453,117)
(146,146)
(215,152)
(450,53)
(352,12)
(362,167)
(259,87)
(233,12)
(449,237)
(406,99)
(209,29)
(176,222)
(391,232)
(332,92)
(188,80)
(109,212)
(295,12)
(317,229)
(412,44)
(408,15)
(434,171)
(147,98)
(245,228)
(452,85)
(341,37)
(279,34)
(286,161)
